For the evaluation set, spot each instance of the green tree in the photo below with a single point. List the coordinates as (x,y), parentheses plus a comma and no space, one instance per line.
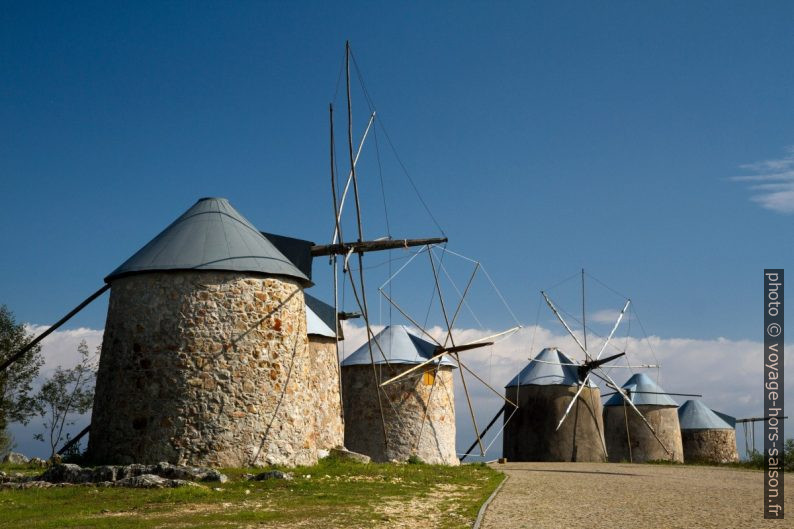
(65,395)
(16,404)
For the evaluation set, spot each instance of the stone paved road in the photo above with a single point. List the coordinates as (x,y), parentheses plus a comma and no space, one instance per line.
(604,495)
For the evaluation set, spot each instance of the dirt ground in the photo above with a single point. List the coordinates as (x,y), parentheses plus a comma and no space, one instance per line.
(617,495)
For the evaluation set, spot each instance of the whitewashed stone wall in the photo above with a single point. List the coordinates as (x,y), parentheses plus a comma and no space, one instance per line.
(328,412)
(709,446)
(639,444)
(205,368)
(531,433)
(403,415)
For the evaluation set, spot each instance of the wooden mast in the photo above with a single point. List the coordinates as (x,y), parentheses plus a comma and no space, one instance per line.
(364,310)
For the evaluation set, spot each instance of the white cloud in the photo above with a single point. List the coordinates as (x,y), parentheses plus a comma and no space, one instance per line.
(607,317)
(773,182)
(58,349)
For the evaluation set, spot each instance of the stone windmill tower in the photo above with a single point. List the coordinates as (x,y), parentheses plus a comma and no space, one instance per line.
(628,438)
(205,355)
(543,390)
(706,437)
(320,320)
(418,419)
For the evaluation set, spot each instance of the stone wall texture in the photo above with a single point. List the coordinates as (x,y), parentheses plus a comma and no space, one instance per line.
(709,446)
(530,434)
(325,386)
(205,368)
(403,410)
(644,446)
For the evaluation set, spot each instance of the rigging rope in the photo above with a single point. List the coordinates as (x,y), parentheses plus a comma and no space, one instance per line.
(391,145)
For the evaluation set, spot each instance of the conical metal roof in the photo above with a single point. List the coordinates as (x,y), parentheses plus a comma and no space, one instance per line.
(211,235)
(320,318)
(548,369)
(398,345)
(730,419)
(694,415)
(642,391)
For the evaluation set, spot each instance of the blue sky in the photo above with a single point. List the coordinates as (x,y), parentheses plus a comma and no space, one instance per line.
(545,137)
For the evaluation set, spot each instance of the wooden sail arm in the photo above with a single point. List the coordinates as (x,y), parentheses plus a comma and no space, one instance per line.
(371,246)
(439,352)
(465,347)
(593,364)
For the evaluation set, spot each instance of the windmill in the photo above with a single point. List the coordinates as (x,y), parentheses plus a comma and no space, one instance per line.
(346,248)
(592,366)
(342,250)
(446,346)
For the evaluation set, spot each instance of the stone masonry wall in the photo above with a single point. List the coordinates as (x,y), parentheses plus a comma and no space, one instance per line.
(709,446)
(409,398)
(328,412)
(205,368)
(644,446)
(531,433)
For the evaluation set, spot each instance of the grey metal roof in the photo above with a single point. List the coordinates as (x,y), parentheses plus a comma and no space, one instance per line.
(320,319)
(211,235)
(694,415)
(730,419)
(398,345)
(540,373)
(642,391)
(298,251)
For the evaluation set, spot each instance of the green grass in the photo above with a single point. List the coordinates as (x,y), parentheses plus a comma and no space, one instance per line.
(338,494)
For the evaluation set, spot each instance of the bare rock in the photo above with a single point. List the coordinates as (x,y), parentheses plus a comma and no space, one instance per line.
(35,484)
(167,470)
(37,462)
(151,481)
(347,455)
(15,458)
(144,481)
(167,475)
(67,473)
(134,470)
(272,474)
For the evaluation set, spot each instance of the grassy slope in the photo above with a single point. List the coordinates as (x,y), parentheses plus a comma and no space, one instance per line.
(338,494)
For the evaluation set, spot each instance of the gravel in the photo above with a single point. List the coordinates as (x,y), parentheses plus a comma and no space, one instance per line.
(604,495)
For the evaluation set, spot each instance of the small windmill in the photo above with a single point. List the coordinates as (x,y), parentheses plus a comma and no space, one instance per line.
(340,250)
(592,365)
(339,247)
(450,346)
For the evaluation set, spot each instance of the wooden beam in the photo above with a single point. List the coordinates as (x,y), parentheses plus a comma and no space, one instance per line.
(465,347)
(371,246)
(74,440)
(16,356)
(758,419)
(485,431)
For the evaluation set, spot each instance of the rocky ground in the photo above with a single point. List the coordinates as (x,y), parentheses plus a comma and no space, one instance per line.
(610,495)
(137,476)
